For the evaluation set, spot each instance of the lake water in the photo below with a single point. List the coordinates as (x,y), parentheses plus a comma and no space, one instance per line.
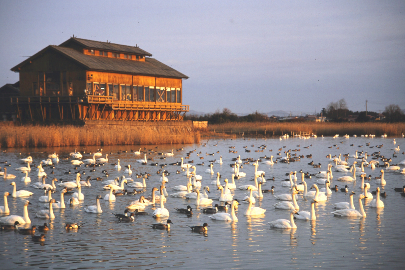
(373,242)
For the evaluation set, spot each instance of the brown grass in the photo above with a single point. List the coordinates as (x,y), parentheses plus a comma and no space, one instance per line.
(58,136)
(325,129)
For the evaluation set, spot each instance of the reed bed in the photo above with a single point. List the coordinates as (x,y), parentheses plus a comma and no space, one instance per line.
(326,129)
(58,136)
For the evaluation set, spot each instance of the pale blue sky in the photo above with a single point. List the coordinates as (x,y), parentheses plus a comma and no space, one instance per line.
(296,56)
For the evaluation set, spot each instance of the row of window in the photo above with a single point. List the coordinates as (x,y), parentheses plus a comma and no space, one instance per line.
(117,55)
(135,92)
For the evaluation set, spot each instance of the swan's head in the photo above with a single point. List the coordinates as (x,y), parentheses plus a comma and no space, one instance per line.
(220,188)
(12,183)
(378,189)
(362,196)
(6,193)
(207,188)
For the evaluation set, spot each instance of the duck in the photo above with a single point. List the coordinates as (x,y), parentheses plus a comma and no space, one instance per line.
(4,210)
(200,229)
(48,214)
(377,203)
(162,226)
(284,223)
(254,211)
(26,178)
(161,212)
(188,211)
(210,210)
(6,227)
(286,205)
(96,209)
(38,238)
(351,212)
(345,205)
(110,196)
(305,215)
(72,226)
(11,219)
(226,216)
(43,228)
(27,231)
(20,193)
(129,218)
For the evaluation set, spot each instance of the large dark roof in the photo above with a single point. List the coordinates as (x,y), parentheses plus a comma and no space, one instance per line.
(149,67)
(92,44)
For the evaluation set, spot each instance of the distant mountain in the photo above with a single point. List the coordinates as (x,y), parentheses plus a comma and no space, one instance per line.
(192,112)
(278,113)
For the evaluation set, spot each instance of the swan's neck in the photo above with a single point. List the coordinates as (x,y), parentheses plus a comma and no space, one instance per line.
(233,215)
(99,206)
(233,179)
(361,208)
(378,197)
(249,207)
(305,188)
(51,214)
(292,221)
(6,209)
(49,195)
(351,202)
(26,217)
(14,191)
(162,205)
(153,196)
(255,180)
(313,216)
(362,182)
(62,200)
(294,201)
(260,191)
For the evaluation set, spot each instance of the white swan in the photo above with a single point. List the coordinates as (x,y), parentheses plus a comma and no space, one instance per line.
(351,212)
(362,182)
(319,196)
(367,195)
(128,170)
(20,193)
(202,201)
(137,153)
(78,195)
(24,169)
(169,154)
(254,187)
(211,169)
(76,162)
(345,205)
(138,184)
(185,166)
(26,178)
(164,178)
(11,219)
(219,161)
(224,197)
(226,216)
(118,165)
(161,212)
(110,196)
(46,198)
(249,198)
(258,173)
(286,205)
(322,181)
(8,175)
(143,161)
(308,194)
(103,160)
(27,159)
(76,155)
(61,203)
(217,182)
(284,223)
(138,204)
(270,162)
(348,178)
(4,210)
(117,187)
(305,215)
(71,184)
(47,213)
(182,193)
(90,160)
(327,189)
(96,209)
(377,203)
(381,181)
(254,211)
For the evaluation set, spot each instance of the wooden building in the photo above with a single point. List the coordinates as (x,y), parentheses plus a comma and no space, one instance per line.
(90,80)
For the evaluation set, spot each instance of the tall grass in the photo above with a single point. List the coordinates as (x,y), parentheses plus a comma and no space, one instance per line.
(325,129)
(57,136)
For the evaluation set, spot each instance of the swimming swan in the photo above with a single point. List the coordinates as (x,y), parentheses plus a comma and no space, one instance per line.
(96,209)
(11,219)
(4,210)
(20,193)
(226,216)
(284,223)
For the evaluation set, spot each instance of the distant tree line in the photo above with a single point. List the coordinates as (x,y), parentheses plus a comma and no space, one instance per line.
(334,112)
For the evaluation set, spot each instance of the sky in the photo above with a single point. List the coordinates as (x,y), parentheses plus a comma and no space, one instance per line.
(247,56)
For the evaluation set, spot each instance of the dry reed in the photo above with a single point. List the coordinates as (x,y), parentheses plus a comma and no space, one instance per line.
(325,129)
(58,136)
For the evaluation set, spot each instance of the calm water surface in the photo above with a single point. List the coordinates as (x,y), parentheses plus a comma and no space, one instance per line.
(103,243)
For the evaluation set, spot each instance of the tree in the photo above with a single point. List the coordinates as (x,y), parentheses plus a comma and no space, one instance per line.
(393,113)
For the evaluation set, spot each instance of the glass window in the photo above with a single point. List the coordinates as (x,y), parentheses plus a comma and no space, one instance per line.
(129,56)
(137,57)
(168,95)
(178,96)
(91,52)
(100,53)
(135,92)
(116,92)
(118,55)
(160,94)
(123,92)
(146,93)
(114,55)
(173,95)
(152,93)
(110,90)
(105,53)
(96,89)
(140,93)
(128,93)
(102,90)
(89,88)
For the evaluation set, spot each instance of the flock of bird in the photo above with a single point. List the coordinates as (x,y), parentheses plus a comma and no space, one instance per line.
(232,191)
